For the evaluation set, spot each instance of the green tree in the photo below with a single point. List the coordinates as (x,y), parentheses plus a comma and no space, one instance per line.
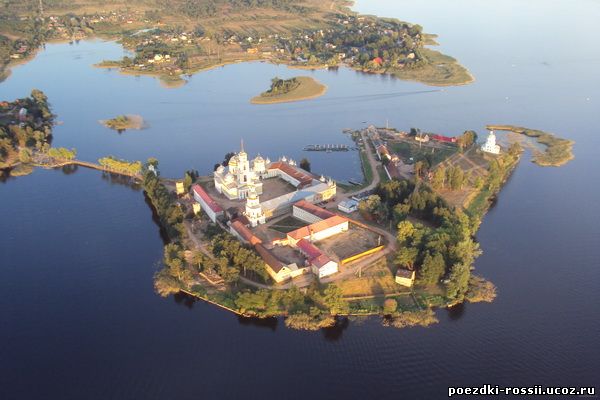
(407,256)
(439,178)
(305,164)
(458,281)
(333,299)
(390,306)
(187,181)
(25,155)
(432,269)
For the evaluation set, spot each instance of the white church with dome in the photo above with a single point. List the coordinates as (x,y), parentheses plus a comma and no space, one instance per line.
(490,145)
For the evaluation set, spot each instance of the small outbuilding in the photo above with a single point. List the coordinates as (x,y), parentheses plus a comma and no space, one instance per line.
(405,277)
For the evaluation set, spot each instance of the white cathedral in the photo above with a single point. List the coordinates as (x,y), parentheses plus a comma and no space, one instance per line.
(242,179)
(490,145)
(239,178)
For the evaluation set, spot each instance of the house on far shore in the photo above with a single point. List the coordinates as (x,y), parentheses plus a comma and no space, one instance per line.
(210,207)
(405,277)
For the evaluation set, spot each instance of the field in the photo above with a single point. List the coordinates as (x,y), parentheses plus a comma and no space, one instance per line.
(408,149)
(377,280)
(474,164)
(309,88)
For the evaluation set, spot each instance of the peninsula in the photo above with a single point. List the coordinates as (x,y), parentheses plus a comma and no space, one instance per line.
(289,90)
(177,38)
(556,152)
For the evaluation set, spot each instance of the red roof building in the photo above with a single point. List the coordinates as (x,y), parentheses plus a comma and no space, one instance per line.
(317,211)
(308,249)
(207,199)
(441,138)
(378,60)
(304,178)
(320,230)
(243,232)
(210,207)
(269,258)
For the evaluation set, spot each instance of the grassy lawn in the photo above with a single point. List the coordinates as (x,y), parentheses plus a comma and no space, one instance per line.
(288,224)
(407,150)
(377,280)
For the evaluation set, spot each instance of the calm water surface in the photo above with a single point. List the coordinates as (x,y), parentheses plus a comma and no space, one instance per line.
(78,316)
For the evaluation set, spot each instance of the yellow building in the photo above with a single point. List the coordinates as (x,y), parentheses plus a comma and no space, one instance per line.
(196,208)
(179,188)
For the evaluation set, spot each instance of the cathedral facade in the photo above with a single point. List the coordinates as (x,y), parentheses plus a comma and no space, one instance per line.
(241,176)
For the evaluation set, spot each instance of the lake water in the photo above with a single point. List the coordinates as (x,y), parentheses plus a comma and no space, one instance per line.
(78,315)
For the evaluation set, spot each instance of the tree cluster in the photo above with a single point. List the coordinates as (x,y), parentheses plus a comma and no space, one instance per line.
(20,136)
(444,247)
(118,165)
(281,86)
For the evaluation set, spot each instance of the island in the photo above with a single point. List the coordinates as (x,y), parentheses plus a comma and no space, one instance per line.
(271,238)
(288,90)
(25,129)
(176,38)
(124,122)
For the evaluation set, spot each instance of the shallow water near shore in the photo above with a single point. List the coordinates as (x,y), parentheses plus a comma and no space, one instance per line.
(78,315)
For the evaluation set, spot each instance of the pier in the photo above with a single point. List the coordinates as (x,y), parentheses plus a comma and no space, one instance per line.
(328,147)
(62,163)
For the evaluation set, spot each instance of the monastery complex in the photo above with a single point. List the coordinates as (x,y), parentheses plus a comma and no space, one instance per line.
(235,204)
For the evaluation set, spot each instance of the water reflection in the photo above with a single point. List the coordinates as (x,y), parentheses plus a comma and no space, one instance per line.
(155,218)
(184,299)
(335,332)
(121,180)
(69,169)
(269,323)
(455,313)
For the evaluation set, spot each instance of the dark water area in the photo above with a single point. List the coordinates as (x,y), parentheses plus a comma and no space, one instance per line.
(78,315)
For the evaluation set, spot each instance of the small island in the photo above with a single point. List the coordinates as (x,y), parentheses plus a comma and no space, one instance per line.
(124,122)
(288,90)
